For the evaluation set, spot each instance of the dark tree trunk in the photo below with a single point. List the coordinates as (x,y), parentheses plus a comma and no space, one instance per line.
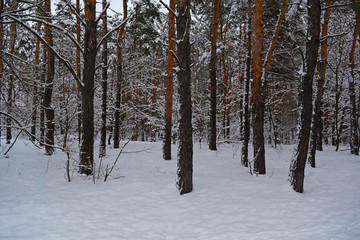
(78,68)
(10,99)
(87,90)
(119,80)
(104,84)
(297,167)
(246,130)
(213,61)
(169,92)
(257,94)
(35,89)
(317,126)
(185,154)
(42,90)
(1,62)
(50,71)
(354,135)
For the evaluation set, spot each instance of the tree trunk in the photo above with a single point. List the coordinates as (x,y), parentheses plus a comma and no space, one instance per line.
(50,71)
(185,154)
(1,62)
(257,94)
(42,90)
(104,83)
(169,92)
(317,122)
(246,131)
(297,167)
(354,137)
(87,90)
(78,68)
(213,38)
(119,81)
(35,89)
(10,97)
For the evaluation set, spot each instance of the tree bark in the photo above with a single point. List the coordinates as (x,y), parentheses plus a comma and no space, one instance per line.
(35,89)
(104,84)
(213,38)
(119,81)
(246,131)
(1,62)
(169,92)
(49,83)
(317,117)
(354,135)
(257,94)
(87,90)
(10,100)
(297,167)
(78,67)
(185,154)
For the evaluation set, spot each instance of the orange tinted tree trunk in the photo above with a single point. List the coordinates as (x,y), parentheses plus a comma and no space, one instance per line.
(213,38)
(257,94)
(119,81)
(169,91)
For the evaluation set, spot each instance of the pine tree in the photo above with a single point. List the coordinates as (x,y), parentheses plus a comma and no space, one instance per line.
(298,162)
(185,155)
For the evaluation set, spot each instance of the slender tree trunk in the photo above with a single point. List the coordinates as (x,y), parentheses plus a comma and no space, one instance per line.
(169,92)
(213,38)
(10,98)
(87,90)
(78,68)
(257,94)
(317,122)
(42,90)
(185,154)
(50,71)
(119,81)
(104,83)
(35,89)
(1,62)
(226,97)
(245,144)
(354,135)
(297,167)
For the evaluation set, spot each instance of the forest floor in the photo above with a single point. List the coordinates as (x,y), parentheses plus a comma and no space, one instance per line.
(140,199)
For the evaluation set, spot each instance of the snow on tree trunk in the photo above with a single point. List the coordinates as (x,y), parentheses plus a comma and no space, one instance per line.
(185,152)
(87,90)
(317,122)
(104,84)
(297,166)
(354,135)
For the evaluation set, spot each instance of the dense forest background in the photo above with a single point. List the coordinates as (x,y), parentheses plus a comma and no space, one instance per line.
(83,76)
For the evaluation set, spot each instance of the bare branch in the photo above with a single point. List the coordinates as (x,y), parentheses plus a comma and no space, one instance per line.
(168,8)
(102,13)
(108,34)
(61,59)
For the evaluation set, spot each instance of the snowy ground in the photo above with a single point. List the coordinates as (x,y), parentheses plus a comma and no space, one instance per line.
(142,202)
